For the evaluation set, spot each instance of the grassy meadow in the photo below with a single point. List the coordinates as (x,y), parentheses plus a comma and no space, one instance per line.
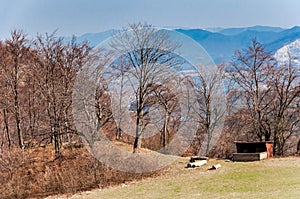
(272,178)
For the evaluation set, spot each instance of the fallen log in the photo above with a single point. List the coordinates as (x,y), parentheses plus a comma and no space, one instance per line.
(196,163)
(215,167)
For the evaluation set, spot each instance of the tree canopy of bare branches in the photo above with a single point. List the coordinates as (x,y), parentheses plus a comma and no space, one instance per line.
(148,59)
(267,95)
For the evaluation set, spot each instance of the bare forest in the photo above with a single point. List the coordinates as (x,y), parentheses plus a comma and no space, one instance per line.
(40,146)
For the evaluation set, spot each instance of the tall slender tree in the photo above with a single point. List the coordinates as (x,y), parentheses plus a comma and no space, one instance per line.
(149,59)
(18,53)
(211,105)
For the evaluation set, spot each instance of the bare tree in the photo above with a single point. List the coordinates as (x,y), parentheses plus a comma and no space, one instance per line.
(119,73)
(76,55)
(284,108)
(58,65)
(4,95)
(210,92)
(50,49)
(268,96)
(103,104)
(90,105)
(18,52)
(149,59)
(252,71)
(167,99)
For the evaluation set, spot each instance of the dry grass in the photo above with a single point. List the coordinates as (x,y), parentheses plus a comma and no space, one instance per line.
(274,178)
(36,173)
(129,148)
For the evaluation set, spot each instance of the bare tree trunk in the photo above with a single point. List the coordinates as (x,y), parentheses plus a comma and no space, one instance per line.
(209,135)
(56,143)
(137,140)
(119,130)
(16,103)
(30,114)
(6,127)
(165,133)
(275,143)
(19,130)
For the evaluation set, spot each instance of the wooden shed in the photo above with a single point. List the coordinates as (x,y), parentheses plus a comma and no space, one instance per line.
(253,151)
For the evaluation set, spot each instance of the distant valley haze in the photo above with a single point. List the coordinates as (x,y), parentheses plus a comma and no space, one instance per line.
(221,43)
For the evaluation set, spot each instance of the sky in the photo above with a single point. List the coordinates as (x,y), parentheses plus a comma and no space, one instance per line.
(76,17)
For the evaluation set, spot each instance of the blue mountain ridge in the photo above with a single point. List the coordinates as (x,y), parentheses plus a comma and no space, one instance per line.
(234,31)
(221,45)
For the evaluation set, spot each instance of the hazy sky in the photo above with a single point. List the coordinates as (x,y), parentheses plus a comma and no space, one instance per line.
(82,16)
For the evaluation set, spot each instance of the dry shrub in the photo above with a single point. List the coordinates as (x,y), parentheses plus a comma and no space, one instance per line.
(36,173)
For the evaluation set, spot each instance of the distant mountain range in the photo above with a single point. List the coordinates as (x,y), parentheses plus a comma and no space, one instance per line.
(222,43)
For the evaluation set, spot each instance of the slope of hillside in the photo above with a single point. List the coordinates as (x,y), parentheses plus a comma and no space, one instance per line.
(289,51)
(273,178)
(284,38)
(37,173)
